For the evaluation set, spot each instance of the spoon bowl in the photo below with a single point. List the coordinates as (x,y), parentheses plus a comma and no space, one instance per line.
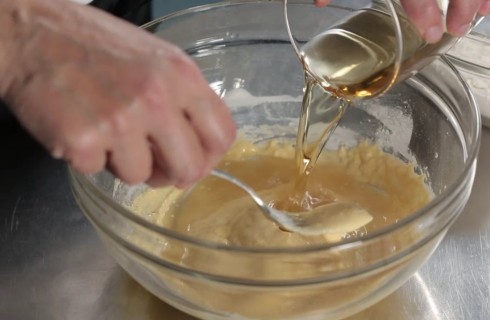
(332,218)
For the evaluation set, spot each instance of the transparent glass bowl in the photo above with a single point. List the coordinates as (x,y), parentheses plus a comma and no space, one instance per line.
(430,118)
(471,56)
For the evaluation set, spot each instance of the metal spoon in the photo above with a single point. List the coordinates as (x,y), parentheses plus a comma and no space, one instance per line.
(337,217)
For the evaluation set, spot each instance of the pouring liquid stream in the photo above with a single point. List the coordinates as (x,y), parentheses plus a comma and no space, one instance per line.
(350,61)
(360,57)
(320,114)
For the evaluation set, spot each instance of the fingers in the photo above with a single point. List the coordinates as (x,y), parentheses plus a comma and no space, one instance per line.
(484,8)
(427,18)
(130,158)
(177,149)
(159,175)
(201,131)
(460,15)
(214,125)
(322,3)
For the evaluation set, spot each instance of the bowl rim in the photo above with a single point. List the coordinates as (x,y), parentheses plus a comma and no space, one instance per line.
(438,200)
(471,65)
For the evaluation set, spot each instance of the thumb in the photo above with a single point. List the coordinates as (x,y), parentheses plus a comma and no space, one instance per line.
(427,18)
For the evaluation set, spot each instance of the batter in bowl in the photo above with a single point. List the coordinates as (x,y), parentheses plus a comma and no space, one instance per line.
(214,210)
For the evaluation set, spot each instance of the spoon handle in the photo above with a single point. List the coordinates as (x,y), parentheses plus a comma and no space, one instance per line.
(245,187)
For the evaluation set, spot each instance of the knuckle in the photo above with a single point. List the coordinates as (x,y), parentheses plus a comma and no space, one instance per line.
(230,134)
(220,127)
(227,136)
(81,142)
(185,66)
(82,150)
(221,145)
(118,122)
(152,96)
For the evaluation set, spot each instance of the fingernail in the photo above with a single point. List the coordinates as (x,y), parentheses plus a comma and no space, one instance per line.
(461,30)
(321,3)
(485,8)
(433,34)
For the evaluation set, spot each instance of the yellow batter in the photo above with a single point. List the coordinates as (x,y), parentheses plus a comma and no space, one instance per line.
(217,211)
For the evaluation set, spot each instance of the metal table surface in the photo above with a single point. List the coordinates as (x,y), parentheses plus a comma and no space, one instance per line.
(52,265)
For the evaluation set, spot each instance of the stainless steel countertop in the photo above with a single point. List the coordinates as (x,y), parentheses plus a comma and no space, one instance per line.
(52,265)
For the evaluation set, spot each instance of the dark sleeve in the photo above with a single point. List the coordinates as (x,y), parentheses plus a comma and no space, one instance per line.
(135,11)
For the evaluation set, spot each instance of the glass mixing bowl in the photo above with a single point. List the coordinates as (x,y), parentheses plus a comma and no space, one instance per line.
(243,50)
(471,56)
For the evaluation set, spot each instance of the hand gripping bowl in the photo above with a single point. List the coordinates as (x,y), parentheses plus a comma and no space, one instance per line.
(243,49)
